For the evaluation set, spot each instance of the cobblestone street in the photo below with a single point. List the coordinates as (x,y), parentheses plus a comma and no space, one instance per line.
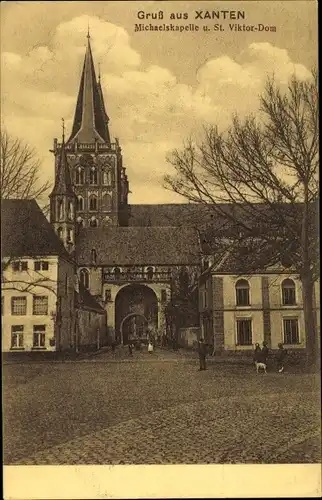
(157,409)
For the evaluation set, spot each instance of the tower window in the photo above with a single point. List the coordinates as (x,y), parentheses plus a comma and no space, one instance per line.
(70,235)
(93,256)
(84,278)
(106,177)
(93,203)
(106,202)
(60,210)
(80,203)
(60,232)
(93,222)
(70,210)
(79,176)
(93,175)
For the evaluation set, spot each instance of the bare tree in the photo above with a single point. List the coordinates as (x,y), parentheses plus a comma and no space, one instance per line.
(20,170)
(258,182)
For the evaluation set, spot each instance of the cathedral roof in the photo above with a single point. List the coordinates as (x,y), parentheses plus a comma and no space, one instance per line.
(90,120)
(63,182)
(26,232)
(139,246)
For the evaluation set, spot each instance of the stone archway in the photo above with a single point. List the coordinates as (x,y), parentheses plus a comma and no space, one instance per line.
(133,326)
(136,312)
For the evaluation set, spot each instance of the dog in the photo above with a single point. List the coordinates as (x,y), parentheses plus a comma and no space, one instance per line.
(260,366)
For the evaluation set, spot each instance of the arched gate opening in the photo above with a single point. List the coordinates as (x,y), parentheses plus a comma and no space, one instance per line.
(136,313)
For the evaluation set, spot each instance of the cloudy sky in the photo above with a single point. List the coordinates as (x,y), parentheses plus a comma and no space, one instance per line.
(159,88)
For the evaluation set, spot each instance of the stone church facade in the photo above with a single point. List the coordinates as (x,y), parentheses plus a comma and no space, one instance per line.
(126,261)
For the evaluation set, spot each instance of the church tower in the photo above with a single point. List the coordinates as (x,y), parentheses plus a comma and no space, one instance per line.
(96,166)
(63,201)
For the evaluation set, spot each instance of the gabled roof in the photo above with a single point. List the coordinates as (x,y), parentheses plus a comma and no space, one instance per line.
(25,231)
(84,299)
(90,122)
(138,246)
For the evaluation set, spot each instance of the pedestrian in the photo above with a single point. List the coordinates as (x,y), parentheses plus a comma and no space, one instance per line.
(264,353)
(257,354)
(281,355)
(150,347)
(202,350)
(130,349)
(113,346)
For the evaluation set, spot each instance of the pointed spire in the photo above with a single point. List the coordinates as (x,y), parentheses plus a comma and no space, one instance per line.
(89,122)
(63,182)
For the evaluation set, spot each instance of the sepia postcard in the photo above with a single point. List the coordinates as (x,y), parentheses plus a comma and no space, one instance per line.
(160,280)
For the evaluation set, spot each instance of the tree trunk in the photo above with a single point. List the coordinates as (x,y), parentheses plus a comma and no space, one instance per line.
(312,343)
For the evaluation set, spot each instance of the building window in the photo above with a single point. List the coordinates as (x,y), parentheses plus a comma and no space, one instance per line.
(205,299)
(93,222)
(291,331)
(39,340)
(80,222)
(80,203)
(242,293)
(70,210)
(69,235)
(93,176)
(40,305)
(19,306)
(117,273)
(79,176)
(93,256)
(93,203)
(288,293)
(41,265)
(106,202)
(163,295)
(244,331)
(106,177)
(84,278)
(108,295)
(60,210)
(149,273)
(17,336)
(19,266)
(60,233)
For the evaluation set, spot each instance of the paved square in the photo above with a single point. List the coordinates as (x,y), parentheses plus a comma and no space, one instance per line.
(157,409)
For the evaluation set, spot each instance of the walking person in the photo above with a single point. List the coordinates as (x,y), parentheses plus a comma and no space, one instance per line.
(202,350)
(281,355)
(130,349)
(150,347)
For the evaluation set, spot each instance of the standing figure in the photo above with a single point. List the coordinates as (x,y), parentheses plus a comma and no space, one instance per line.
(131,349)
(202,350)
(150,347)
(264,353)
(281,355)
(257,354)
